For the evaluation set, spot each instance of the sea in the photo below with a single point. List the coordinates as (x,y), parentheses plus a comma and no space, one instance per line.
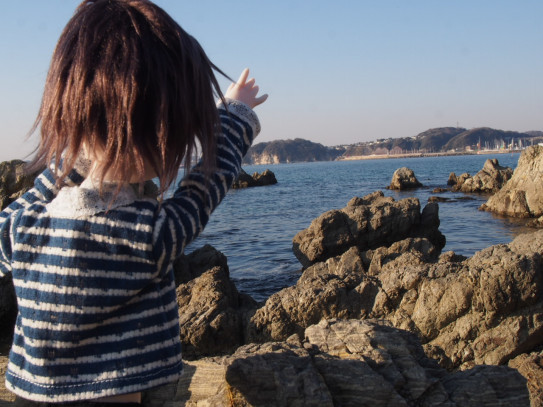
(254,227)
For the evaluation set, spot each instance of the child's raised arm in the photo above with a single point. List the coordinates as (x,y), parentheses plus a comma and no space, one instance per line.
(245,91)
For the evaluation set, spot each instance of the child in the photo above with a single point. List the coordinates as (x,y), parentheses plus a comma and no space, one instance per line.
(128,96)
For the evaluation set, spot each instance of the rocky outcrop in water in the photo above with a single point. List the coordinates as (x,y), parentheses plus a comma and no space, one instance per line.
(489,180)
(522,196)
(404,178)
(245,180)
(368,223)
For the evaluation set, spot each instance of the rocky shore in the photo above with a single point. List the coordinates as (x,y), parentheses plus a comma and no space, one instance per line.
(379,317)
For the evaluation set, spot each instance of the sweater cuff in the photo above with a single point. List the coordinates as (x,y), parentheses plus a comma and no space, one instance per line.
(244,112)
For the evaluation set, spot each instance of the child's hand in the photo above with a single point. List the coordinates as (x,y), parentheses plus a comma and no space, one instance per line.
(245,91)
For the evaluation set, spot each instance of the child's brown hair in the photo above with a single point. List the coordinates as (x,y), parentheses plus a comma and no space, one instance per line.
(126,80)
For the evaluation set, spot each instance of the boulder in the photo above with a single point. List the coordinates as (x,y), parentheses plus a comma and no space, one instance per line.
(245,180)
(404,178)
(489,180)
(339,363)
(211,310)
(368,223)
(522,196)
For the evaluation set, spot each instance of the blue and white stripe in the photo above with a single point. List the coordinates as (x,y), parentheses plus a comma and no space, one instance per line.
(97,311)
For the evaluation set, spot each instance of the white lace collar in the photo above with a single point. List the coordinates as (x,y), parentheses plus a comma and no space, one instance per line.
(85,200)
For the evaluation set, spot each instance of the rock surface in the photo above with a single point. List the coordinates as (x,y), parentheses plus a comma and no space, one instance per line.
(404,178)
(14,181)
(245,180)
(483,310)
(459,180)
(522,196)
(531,367)
(339,363)
(489,180)
(368,223)
(211,310)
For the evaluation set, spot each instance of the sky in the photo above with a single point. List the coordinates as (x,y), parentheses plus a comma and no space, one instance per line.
(336,72)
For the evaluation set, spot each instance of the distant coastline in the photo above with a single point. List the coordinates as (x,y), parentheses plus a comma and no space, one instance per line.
(415,155)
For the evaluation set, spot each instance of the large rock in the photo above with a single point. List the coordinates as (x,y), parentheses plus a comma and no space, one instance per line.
(211,310)
(368,223)
(339,363)
(404,178)
(482,310)
(522,195)
(489,180)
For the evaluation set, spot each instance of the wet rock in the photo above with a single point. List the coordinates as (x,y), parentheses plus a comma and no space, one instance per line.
(489,180)
(440,190)
(245,180)
(404,178)
(368,222)
(347,363)
(440,199)
(522,196)
(453,180)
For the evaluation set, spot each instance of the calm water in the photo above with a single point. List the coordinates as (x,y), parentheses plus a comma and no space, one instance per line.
(254,227)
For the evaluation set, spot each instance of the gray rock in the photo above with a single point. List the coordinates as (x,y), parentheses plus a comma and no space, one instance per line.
(404,178)
(522,196)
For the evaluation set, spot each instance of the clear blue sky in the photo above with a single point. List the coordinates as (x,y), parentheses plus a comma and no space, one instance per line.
(336,72)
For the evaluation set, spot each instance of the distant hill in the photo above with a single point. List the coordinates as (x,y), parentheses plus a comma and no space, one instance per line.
(446,139)
(430,141)
(483,137)
(290,151)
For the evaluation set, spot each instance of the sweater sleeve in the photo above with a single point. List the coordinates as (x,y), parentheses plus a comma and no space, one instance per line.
(44,190)
(184,216)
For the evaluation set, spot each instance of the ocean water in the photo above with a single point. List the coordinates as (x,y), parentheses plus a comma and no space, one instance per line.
(254,227)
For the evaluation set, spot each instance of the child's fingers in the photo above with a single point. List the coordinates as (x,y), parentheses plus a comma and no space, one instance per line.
(261,99)
(243,77)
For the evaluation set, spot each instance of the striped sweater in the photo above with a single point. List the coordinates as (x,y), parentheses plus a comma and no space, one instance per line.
(97,312)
